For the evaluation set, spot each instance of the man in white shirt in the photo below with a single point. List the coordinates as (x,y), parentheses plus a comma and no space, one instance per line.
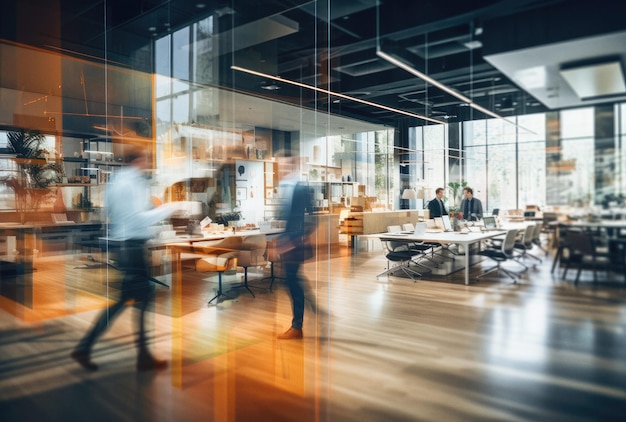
(130,211)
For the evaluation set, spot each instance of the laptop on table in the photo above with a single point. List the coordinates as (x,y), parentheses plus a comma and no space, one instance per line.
(444,221)
(490,223)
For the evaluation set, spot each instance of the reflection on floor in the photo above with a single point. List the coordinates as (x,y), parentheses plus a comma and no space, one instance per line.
(391,350)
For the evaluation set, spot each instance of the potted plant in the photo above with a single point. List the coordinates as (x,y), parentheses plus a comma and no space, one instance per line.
(34,173)
(453,208)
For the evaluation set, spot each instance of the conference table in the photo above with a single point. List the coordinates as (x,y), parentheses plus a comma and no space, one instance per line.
(464,239)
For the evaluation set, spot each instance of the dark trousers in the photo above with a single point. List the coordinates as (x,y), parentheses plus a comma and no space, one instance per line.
(296,292)
(135,285)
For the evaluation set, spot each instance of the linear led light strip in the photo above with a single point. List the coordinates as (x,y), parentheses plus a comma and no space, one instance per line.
(335,94)
(98,152)
(434,82)
(443,87)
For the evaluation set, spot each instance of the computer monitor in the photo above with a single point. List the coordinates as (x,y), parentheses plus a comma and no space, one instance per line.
(447,225)
(490,222)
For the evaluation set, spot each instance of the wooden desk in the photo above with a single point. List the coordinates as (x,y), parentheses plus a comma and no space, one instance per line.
(20,243)
(446,238)
(176,249)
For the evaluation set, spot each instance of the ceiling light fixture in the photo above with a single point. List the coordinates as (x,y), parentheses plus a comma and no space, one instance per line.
(336,94)
(443,87)
(271,87)
(595,80)
(422,76)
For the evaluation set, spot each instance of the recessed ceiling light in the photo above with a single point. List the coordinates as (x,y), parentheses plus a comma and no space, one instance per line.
(152,28)
(472,45)
(200,5)
(596,80)
(271,87)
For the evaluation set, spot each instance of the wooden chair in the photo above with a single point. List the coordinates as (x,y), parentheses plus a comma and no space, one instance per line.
(584,255)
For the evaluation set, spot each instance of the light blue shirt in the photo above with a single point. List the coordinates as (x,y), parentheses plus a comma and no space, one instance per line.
(129,206)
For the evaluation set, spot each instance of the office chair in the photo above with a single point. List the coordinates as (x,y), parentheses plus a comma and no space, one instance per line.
(500,254)
(400,254)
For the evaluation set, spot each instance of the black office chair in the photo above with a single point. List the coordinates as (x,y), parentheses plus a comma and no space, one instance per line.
(502,253)
(525,244)
(401,255)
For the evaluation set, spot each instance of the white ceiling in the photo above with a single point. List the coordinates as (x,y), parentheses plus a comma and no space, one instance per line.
(537,70)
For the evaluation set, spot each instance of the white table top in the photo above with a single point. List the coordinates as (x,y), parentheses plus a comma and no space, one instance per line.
(441,237)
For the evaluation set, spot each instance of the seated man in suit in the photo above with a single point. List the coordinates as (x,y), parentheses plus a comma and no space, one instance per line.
(471,207)
(436,206)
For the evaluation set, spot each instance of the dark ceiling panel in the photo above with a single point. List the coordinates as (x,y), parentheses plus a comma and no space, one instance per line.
(334,47)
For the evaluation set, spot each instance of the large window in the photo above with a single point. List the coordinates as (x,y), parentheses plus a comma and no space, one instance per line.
(575,170)
(435,157)
(512,160)
(531,167)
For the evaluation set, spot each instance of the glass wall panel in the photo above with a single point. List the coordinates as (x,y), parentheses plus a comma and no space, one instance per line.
(209,99)
(502,181)
(620,126)
(435,158)
(575,170)
(532,160)
(577,123)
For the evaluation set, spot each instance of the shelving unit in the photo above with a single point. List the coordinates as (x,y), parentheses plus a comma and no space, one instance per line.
(272,201)
(332,196)
(85,158)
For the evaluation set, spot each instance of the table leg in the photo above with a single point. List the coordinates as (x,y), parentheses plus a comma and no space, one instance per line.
(177,324)
(557,257)
(467,263)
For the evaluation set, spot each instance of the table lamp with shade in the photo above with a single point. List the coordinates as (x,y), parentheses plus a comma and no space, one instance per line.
(409,193)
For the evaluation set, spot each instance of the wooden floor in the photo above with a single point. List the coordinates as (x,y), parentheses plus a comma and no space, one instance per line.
(388,350)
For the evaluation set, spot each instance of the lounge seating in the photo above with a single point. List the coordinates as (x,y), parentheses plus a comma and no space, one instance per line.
(231,252)
(252,253)
(219,256)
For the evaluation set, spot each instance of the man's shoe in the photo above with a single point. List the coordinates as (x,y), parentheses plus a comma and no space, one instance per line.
(83,360)
(291,334)
(149,363)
